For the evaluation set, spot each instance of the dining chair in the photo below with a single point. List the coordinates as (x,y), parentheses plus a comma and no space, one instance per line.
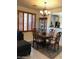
(36,40)
(51,33)
(55,41)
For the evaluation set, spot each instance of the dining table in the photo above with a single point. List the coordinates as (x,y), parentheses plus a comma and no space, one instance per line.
(44,37)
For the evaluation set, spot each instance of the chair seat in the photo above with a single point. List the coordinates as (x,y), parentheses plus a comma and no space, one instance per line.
(39,40)
(47,40)
(52,42)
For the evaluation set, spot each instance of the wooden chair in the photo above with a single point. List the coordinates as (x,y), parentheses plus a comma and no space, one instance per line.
(55,41)
(36,40)
(51,33)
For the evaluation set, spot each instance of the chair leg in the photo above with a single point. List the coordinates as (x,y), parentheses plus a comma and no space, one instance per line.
(56,47)
(37,45)
(33,43)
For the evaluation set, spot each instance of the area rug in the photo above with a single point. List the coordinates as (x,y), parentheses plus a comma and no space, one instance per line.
(49,52)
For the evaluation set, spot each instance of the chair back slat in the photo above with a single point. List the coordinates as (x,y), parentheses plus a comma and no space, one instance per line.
(57,39)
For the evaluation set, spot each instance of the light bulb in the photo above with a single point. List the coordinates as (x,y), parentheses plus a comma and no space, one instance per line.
(41,12)
(48,12)
(45,11)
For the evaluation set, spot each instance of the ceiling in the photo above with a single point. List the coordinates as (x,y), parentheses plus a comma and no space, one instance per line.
(39,4)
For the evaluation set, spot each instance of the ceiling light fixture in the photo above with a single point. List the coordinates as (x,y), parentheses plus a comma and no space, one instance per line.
(44,12)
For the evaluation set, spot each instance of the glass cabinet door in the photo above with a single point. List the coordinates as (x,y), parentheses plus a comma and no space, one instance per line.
(42,24)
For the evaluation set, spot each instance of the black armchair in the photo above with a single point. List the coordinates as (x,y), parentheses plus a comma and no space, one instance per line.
(23,47)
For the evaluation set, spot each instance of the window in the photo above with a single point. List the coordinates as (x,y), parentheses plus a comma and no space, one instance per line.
(26,21)
(33,21)
(20,21)
(29,22)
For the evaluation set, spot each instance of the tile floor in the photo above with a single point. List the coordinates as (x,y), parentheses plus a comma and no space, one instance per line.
(37,55)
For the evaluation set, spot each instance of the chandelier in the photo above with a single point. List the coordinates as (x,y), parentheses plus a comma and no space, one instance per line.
(44,12)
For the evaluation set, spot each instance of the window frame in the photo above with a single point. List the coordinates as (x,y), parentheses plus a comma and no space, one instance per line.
(27,21)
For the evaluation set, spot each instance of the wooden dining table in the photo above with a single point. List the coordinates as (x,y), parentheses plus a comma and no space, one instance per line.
(44,37)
